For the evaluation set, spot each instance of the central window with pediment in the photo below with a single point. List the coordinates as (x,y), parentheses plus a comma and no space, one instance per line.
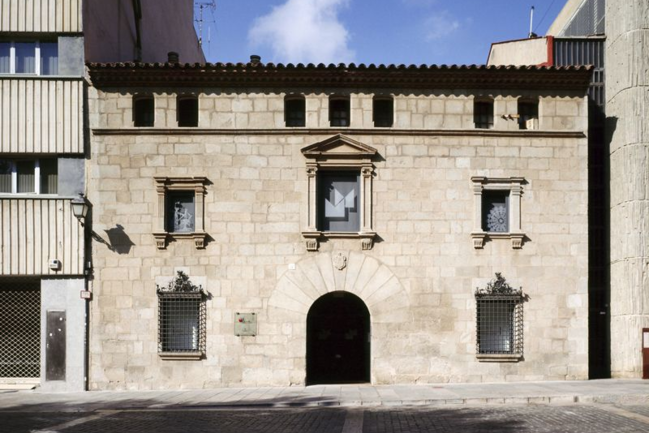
(338,205)
(339,191)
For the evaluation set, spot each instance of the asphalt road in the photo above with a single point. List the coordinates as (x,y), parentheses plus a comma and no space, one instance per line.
(520,419)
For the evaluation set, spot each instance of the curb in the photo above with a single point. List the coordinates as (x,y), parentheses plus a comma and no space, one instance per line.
(625,399)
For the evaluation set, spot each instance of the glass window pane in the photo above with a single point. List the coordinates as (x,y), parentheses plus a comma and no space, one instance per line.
(143,111)
(49,58)
(339,202)
(25,57)
(5,176)
(339,112)
(25,171)
(495,211)
(5,52)
(181,214)
(49,176)
(294,110)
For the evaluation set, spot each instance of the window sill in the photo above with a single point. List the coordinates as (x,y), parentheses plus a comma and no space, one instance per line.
(313,237)
(480,237)
(499,357)
(181,356)
(163,238)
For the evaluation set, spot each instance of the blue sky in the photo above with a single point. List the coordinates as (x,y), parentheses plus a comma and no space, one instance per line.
(368,31)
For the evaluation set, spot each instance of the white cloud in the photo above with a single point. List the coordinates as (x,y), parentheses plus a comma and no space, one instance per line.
(440,26)
(306,31)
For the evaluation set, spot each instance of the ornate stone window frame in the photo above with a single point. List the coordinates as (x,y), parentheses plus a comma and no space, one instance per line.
(167,184)
(339,153)
(514,185)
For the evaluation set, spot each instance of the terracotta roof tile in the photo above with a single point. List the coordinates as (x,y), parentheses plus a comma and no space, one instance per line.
(342,75)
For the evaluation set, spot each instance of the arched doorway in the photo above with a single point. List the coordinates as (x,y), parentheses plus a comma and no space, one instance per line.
(338,340)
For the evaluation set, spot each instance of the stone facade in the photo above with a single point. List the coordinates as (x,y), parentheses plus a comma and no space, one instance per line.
(418,279)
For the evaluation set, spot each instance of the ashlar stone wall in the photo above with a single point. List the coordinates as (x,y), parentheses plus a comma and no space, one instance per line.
(413,109)
(418,280)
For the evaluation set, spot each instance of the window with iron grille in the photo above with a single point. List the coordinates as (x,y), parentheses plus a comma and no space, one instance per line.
(181,319)
(294,111)
(499,320)
(483,114)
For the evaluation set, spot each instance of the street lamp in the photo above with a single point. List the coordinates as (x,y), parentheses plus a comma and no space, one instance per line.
(80,207)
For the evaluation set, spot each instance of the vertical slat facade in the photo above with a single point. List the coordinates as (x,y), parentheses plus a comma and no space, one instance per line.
(589,51)
(41,116)
(35,231)
(57,16)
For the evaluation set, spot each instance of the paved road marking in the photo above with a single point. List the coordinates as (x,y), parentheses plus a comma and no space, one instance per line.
(622,412)
(353,422)
(57,428)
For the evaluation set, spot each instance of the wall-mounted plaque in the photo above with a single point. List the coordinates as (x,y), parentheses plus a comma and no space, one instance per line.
(245,324)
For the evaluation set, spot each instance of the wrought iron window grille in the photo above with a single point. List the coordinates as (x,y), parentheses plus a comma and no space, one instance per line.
(499,321)
(181,319)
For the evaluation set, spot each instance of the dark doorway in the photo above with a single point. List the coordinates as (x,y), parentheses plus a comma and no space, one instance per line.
(645,353)
(338,340)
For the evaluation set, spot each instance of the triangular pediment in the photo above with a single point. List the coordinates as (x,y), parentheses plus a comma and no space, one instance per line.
(339,146)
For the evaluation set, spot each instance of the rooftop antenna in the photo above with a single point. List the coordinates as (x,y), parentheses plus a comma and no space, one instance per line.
(532,34)
(211,6)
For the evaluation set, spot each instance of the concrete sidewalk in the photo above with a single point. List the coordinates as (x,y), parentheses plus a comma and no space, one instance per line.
(594,391)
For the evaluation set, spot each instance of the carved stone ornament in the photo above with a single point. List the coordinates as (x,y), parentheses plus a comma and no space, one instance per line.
(478,240)
(517,240)
(339,261)
(499,286)
(160,240)
(180,284)
(312,244)
(367,242)
(199,240)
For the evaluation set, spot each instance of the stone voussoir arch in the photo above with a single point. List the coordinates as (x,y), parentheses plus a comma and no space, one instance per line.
(363,275)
